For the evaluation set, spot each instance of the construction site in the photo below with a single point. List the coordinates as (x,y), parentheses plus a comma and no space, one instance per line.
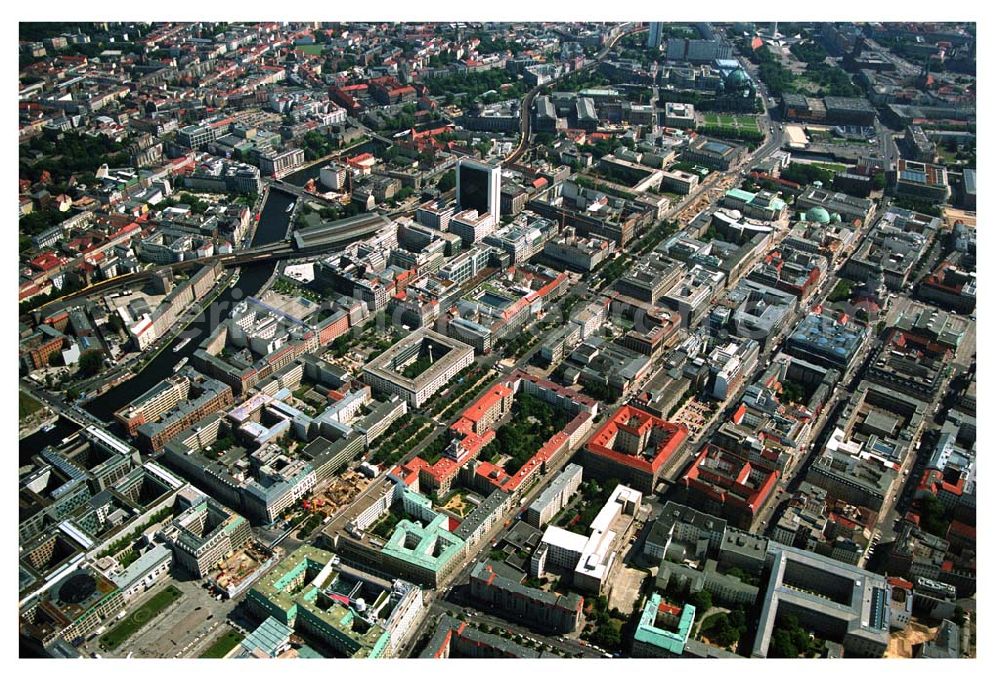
(340,492)
(241,568)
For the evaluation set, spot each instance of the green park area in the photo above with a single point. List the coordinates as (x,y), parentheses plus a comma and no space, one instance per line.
(738,122)
(532,423)
(136,620)
(27,405)
(223,645)
(734,127)
(830,166)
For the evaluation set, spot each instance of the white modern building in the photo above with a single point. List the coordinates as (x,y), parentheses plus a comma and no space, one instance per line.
(592,559)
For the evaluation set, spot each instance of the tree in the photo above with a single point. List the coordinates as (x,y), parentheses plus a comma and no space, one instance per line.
(790,392)
(446,182)
(427,157)
(725,629)
(55,359)
(702,601)
(841,292)
(91,362)
(789,639)
(781,645)
(803,174)
(934,516)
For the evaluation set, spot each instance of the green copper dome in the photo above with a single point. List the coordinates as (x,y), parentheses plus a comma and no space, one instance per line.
(818,215)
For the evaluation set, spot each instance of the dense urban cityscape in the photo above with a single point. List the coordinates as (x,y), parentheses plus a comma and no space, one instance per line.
(497,339)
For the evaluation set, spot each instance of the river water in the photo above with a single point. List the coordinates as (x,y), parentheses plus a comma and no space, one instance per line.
(300,177)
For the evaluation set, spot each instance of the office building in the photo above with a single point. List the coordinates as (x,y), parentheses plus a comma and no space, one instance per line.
(892,248)
(355,614)
(729,365)
(633,447)
(466,265)
(435,214)
(877,430)
(477,186)
(828,597)
(143,573)
(205,534)
(691,296)
(453,638)
(418,366)
(714,153)
(756,311)
(850,209)
(549,611)
(679,116)
(729,485)
(73,606)
(554,497)
(577,253)
(726,589)
(791,270)
(423,554)
(655,35)
(169,407)
(917,146)
(824,340)
(472,226)
(682,532)
(919,180)
(650,278)
(663,629)
(592,559)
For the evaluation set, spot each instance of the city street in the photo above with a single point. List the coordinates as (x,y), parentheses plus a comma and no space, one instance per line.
(296,256)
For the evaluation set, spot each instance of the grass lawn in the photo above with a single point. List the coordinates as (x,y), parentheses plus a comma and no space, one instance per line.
(840,292)
(132,623)
(947,157)
(223,645)
(831,166)
(717,119)
(733,121)
(686,166)
(387,524)
(806,83)
(26,405)
(311,49)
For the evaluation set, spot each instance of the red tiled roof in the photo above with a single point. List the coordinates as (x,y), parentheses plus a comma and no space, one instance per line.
(962,530)
(637,423)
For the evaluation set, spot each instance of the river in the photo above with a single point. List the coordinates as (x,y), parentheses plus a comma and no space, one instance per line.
(273,226)
(300,177)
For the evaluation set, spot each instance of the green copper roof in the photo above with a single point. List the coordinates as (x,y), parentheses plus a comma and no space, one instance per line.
(672,641)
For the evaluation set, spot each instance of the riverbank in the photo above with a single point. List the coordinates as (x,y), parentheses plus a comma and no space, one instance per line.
(273,227)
